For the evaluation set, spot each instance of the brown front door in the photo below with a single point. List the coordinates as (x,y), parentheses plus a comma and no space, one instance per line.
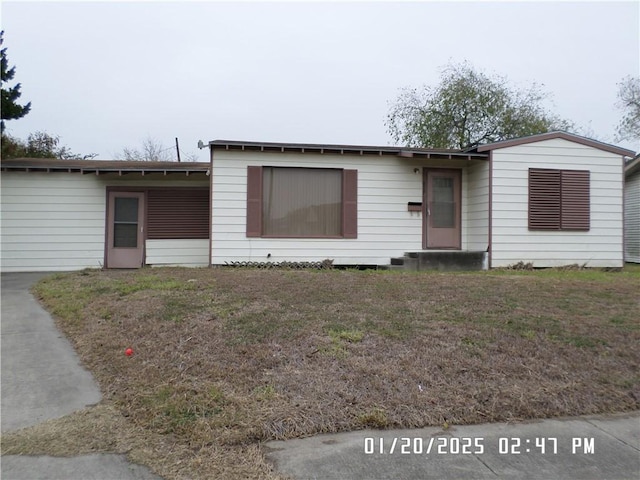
(442,213)
(125,239)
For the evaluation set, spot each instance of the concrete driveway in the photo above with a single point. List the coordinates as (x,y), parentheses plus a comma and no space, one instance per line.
(42,378)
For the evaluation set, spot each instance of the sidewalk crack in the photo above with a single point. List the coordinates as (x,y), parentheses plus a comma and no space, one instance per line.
(485,464)
(613,436)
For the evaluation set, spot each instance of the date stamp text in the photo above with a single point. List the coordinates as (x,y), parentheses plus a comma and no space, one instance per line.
(477,445)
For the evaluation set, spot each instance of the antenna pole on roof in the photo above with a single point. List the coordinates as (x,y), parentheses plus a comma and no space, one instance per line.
(177,149)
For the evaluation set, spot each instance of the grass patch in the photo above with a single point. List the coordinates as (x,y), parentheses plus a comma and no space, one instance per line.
(264,393)
(149,282)
(375,418)
(227,358)
(350,336)
(584,342)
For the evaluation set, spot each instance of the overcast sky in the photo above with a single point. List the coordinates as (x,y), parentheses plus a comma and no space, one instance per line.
(104,76)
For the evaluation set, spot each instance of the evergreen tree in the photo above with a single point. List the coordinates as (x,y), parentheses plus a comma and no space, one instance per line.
(10,109)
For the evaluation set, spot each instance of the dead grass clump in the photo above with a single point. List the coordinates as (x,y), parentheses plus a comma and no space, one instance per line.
(226,358)
(520,266)
(97,429)
(571,267)
(375,418)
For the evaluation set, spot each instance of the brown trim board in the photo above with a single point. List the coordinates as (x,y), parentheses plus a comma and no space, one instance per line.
(553,135)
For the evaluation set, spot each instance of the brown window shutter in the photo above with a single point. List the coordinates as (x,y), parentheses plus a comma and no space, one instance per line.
(575,200)
(254,201)
(544,199)
(350,203)
(177,213)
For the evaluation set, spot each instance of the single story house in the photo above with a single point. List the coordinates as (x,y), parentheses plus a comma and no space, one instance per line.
(632,211)
(550,200)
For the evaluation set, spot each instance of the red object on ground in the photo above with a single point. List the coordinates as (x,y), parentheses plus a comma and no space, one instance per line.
(128,352)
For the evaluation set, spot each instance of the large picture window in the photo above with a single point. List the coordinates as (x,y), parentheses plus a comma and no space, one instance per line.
(559,199)
(301,202)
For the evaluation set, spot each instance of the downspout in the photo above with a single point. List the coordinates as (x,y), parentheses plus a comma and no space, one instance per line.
(624,226)
(489,247)
(210,206)
(106,228)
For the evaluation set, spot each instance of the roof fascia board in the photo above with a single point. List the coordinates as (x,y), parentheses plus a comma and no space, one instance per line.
(102,166)
(553,135)
(402,152)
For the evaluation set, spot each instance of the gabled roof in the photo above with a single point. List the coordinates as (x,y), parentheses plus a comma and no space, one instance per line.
(120,167)
(406,152)
(557,134)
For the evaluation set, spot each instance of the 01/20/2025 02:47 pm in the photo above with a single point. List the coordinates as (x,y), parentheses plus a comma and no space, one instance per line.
(475,446)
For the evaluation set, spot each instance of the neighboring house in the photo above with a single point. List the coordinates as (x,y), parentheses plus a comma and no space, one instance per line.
(632,211)
(552,199)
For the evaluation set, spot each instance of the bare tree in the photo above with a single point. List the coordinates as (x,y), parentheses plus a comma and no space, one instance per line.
(151,151)
(189,156)
(629,103)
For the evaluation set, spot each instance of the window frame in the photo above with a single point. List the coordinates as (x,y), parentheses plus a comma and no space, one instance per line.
(559,199)
(178,213)
(254,220)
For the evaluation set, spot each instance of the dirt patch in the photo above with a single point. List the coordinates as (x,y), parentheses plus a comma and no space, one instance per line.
(225,358)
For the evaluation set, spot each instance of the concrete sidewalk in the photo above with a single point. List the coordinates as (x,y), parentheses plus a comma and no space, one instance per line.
(594,447)
(42,378)
(41,375)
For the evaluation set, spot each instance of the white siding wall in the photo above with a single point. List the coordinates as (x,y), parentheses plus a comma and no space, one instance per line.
(632,218)
(186,253)
(477,206)
(385,228)
(51,221)
(512,241)
(56,221)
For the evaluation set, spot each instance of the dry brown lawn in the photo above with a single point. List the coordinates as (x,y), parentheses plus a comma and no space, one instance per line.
(225,359)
